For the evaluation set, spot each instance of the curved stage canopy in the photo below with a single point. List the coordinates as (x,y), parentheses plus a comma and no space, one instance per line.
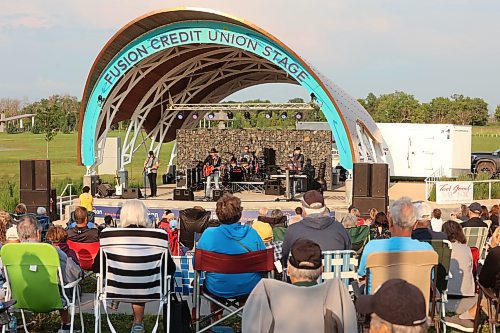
(188,55)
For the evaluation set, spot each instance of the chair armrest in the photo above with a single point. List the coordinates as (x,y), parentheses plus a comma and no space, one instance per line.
(488,292)
(72,284)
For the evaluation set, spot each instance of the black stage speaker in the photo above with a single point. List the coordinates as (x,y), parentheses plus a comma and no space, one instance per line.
(217,194)
(35,198)
(364,204)
(26,174)
(270,156)
(131,193)
(361,180)
(42,175)
(183,194)
(379,180)
(273,187)
(105,190)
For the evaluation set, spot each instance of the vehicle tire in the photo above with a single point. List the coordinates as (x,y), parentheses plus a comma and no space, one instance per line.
(486,167)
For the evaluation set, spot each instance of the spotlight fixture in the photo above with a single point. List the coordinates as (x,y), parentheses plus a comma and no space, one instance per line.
(298,116)
(194,115)
(269,115)
(180,115)
(230,115)
(211,116)
(246,115)
(284,115)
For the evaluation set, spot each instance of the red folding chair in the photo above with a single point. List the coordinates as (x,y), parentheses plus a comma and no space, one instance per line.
(86,253)
(212,262)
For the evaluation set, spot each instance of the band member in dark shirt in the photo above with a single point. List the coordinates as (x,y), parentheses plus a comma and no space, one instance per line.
(246,154)
(211,169)
(298,159)
(151,165)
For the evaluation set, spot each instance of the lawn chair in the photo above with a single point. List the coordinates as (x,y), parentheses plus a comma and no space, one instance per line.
(359,237)
(412,266)
(212,262)
(86,253)
(340,264)
(133,269)
(443,249)
(34,278)
(493,308)
(476,237)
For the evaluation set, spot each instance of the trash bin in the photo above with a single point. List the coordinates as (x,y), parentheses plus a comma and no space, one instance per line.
(335,177)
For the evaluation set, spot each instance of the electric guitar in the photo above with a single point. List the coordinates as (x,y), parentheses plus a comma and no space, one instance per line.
(208,170)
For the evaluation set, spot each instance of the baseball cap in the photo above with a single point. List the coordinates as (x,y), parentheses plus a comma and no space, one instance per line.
(475,207)
(395,301)
(422,210)
(305,254)
(264,230)
(11,234)
(313,199)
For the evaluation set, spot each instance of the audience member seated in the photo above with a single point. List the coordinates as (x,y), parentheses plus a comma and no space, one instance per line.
(380,227)
(422,230)
(359,234)
(81,233)
(475,219)
(86,199)
(30,231)
(464,213)
(57,236)
(356,213)
(11,235)
(304,306)
(350,221)
(317,226)
(461,282)
(44,220)
(494,212)
(436,220)
(277,219)
(401,222)
(19,212)
(489,277)
(5,219)
(297,217)
(373,213)
(397,306)
(262,213)
(230,237)
(485,214)
(108,223)
(165,219)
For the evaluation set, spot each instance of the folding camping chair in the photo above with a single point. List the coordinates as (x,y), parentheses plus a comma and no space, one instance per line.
(476,237)
(443,249)
(493,304)
(340,264)
(34,278)
(412,266)
(359,237)
(133,269)
(212,262)
(86,253)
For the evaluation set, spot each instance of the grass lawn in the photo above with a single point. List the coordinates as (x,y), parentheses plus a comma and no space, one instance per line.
(486,138)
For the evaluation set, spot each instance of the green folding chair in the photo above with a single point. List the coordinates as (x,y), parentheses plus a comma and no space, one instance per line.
(34,278)
(359,237)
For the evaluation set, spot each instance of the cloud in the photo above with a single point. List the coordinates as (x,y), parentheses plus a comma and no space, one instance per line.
(15,14)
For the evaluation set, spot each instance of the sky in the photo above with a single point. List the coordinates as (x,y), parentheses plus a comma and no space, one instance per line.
(428,48)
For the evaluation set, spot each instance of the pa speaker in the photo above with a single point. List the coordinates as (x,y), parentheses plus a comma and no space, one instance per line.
(364,204)
(35,198)
(217,194)
(26,174)
(42,175)
(361,180)
(379,180)
(132,193)
(183,194)
(105,190)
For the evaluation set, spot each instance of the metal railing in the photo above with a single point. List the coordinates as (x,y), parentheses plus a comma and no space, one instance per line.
(431,180)
(65,200)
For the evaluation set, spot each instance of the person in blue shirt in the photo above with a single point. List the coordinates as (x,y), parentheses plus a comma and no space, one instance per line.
(230,237)
(402,219)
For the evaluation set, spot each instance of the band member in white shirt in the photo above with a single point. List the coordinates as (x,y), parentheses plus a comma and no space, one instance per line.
(211,170)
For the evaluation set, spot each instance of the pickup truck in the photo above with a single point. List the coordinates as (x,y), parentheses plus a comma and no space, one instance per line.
(486,162)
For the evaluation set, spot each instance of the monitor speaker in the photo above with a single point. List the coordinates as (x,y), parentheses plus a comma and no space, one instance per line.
(105,190)
(183,194)
(361,180)
(131,193)
(379,180)
(364,204)
(217,194)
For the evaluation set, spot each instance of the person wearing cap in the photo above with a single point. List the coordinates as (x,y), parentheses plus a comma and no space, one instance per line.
(11,235)
(317,226)
(211,167)
(423,230)
(265,232)
(303,306)
(397,306)
(402,219)
(475,219)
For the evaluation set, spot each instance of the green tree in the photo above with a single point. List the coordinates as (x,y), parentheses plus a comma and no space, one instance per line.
(497,113)
(48,119)
(369,103)
(438,109)
(468,111)
(398,107)
(296,100)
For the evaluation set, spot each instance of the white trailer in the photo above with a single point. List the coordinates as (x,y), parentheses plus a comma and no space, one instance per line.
(422,150)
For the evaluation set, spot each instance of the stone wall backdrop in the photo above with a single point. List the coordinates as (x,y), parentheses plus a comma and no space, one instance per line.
(194,145)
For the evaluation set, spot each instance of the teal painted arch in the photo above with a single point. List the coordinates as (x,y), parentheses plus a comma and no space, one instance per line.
(217,33)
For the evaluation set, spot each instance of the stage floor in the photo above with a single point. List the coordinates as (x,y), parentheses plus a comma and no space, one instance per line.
(335,200)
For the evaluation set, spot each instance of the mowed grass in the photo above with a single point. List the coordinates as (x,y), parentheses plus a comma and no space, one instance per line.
(62,153)
(486,138)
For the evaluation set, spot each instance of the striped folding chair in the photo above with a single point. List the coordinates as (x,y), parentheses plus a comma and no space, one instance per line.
(340,264)
(133,265)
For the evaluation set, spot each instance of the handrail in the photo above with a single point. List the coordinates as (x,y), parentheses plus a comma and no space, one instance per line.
(70,202)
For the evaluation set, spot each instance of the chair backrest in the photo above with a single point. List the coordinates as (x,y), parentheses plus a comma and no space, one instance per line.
(86,253)
(32,272)
(134,263)
(359,236)
(443,249)
(412,266)
(340,264)
(190,221)
(476,237)
(248,262)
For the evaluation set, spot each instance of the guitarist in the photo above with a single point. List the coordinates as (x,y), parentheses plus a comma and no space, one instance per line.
(211,167)
(151,165)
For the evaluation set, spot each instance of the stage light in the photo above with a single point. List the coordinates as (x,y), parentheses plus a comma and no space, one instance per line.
(194,115)
(269,115)
(298,116)
(284,115)
(211,116)
(246,115)
(180,115)
(230,115)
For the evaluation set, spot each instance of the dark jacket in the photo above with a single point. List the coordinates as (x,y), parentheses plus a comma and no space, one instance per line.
(489,276)
(474,222)
(324,230)
(425,234)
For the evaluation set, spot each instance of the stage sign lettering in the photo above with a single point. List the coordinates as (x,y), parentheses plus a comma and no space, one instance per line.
(454,192)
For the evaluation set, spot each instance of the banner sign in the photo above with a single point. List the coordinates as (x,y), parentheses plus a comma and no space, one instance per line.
(454,192)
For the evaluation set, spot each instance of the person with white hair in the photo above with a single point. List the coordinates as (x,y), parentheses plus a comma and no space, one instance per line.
(402,219)
(350,221)
(423,230)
